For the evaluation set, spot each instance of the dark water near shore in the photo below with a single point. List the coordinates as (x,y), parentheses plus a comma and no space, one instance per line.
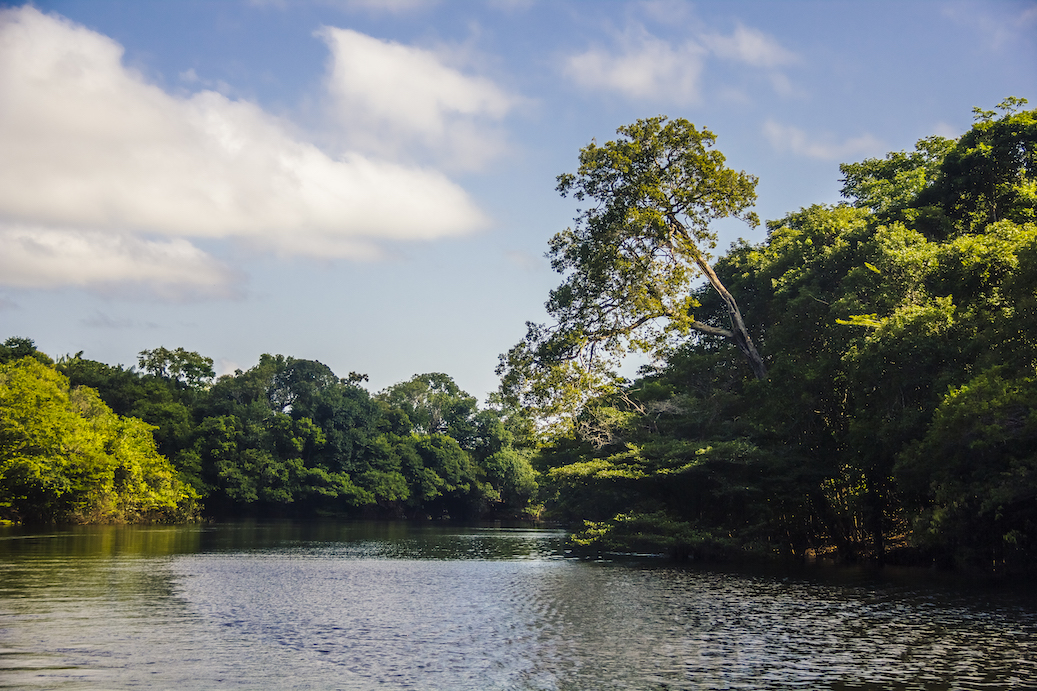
(398,606)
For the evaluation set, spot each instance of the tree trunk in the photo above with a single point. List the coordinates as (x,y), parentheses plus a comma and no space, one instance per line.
(875,503)
(738,334)
(823,511)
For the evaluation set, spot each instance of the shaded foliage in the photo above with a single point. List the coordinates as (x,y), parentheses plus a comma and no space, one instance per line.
(897,420)
(286,437)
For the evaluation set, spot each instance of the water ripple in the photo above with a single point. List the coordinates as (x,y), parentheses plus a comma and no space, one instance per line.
(441,608)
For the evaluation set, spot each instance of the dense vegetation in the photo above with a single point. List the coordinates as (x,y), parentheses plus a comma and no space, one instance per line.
(84,441)
(863,384)
(894,414)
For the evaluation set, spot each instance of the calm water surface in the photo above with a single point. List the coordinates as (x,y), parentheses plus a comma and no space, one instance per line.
(397,606)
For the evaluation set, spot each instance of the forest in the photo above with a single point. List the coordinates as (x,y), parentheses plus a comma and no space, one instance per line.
(164,441)
(862,385)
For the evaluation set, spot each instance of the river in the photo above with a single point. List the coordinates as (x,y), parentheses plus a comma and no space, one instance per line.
(286,605)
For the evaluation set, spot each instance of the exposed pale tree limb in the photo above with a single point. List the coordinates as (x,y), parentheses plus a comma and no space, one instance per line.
(632,260)
(738,334)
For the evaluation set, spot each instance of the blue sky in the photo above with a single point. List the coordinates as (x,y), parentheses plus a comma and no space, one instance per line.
(371,184)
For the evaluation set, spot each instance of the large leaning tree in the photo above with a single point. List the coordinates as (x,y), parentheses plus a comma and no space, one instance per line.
(633,257)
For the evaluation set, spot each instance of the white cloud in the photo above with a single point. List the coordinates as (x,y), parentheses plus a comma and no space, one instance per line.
(225,366)
(644,67)
(783,86)
(389,97)
(750,46)
(104,175)
(794,140)
(35,257)
(999,25)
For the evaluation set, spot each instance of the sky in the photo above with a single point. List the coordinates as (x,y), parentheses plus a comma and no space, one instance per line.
(371,183)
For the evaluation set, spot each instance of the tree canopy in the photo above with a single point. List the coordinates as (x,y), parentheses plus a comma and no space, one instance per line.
(86,441)
(632,260)
(64,455)
(900,334)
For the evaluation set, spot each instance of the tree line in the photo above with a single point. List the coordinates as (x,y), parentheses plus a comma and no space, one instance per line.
(862,384)
(84,441)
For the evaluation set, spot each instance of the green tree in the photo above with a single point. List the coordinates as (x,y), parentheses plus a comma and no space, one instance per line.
(632,258)
(888,185)
(971,481)
(901,329)
(435,404)
(165,403)
(65,456)
(15,348)
(989,175)
(187,367)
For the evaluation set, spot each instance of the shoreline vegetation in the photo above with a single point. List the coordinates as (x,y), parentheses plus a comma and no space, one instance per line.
(860,387)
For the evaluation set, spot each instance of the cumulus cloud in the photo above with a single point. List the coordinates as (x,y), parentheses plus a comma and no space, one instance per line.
(751,47)
(390,97)
(41,257)
(105,176)
(645,66)
(794,140)
(225,366)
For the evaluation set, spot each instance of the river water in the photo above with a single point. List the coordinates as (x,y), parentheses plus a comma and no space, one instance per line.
(402,606)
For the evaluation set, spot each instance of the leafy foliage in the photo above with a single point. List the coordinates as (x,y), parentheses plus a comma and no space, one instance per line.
(896,421)
(64,455)
(286,437)
(631,260)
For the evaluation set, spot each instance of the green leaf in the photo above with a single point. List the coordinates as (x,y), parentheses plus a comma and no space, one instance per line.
(869,320)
